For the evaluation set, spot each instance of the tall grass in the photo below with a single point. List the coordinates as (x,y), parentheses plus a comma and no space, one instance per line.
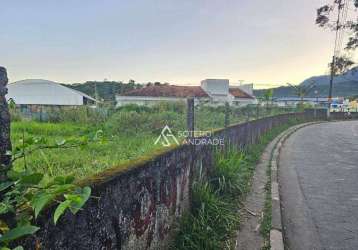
(80,161)
(232,173)
(210,223)
(130,132)
(214,217)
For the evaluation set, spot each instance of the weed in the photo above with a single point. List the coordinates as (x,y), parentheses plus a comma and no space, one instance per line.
(214,217)
(210,223)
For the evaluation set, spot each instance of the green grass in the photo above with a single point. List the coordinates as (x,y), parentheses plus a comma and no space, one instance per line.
(130,133)
(82,162)
(266,222)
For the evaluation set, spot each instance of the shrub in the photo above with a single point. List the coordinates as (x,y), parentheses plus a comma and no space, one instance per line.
(132,122)
(178,107)
(135,108)
(82,115)
(15,115)
(127,123)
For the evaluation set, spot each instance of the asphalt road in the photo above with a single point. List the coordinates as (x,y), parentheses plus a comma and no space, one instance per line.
(318,175)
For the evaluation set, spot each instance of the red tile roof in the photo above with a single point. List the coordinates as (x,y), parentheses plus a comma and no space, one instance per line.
(240,93)
(168,91)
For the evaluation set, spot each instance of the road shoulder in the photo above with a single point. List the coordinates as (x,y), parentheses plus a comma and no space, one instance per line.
(292,202)
(249,235)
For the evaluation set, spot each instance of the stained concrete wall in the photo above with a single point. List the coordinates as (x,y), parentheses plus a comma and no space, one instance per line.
(140,208)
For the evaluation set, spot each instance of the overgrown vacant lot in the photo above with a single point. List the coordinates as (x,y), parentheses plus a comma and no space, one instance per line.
(129,133)
(82,161)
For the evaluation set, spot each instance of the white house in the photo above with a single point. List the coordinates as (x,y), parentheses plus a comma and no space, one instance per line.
(44,92)
(217,89)
(212,91)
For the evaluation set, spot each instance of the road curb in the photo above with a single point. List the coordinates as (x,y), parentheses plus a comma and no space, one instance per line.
(276,232)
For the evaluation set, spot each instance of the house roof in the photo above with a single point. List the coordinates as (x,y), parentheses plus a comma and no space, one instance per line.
(168,91)
(239,93)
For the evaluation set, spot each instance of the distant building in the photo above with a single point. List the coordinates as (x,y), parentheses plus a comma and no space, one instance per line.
(353,106)
(293,101)
(39,98)
(211,91)
(46,93)
(338,103)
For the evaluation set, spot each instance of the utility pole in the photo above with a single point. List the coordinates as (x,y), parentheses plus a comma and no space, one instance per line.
(331,81)
(333,64)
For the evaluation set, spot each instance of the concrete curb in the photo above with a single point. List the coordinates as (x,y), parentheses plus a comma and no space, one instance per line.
(276,232)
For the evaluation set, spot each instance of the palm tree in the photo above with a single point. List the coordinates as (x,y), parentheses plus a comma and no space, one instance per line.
(268,96)
(302,90)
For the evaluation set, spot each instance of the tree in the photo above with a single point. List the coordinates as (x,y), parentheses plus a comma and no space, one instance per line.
(302,90)
(131,83)
(268,96)
(334,17)
(5,143)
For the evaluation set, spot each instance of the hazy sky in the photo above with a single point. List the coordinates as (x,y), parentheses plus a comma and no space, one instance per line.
(181,41)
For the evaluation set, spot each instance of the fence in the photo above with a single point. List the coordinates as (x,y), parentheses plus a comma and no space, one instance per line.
(47,113)
(139,208)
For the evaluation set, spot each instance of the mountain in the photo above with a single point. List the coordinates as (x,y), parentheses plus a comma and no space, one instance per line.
(350,76)
(343,85)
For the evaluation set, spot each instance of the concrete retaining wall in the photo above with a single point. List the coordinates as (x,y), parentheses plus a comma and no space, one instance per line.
(343,115)
(139,208)
(318,114)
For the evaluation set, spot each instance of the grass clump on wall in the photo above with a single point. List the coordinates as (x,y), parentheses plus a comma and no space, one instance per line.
(214,217)
(210,221)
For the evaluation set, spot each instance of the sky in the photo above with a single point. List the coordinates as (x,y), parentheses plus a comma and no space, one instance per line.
(182,42)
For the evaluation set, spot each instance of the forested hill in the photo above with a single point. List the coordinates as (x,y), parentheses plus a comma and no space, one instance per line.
(344,85)
(106,90)
(344,89)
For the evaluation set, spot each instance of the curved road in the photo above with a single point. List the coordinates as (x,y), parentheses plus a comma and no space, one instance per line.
(318,175)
